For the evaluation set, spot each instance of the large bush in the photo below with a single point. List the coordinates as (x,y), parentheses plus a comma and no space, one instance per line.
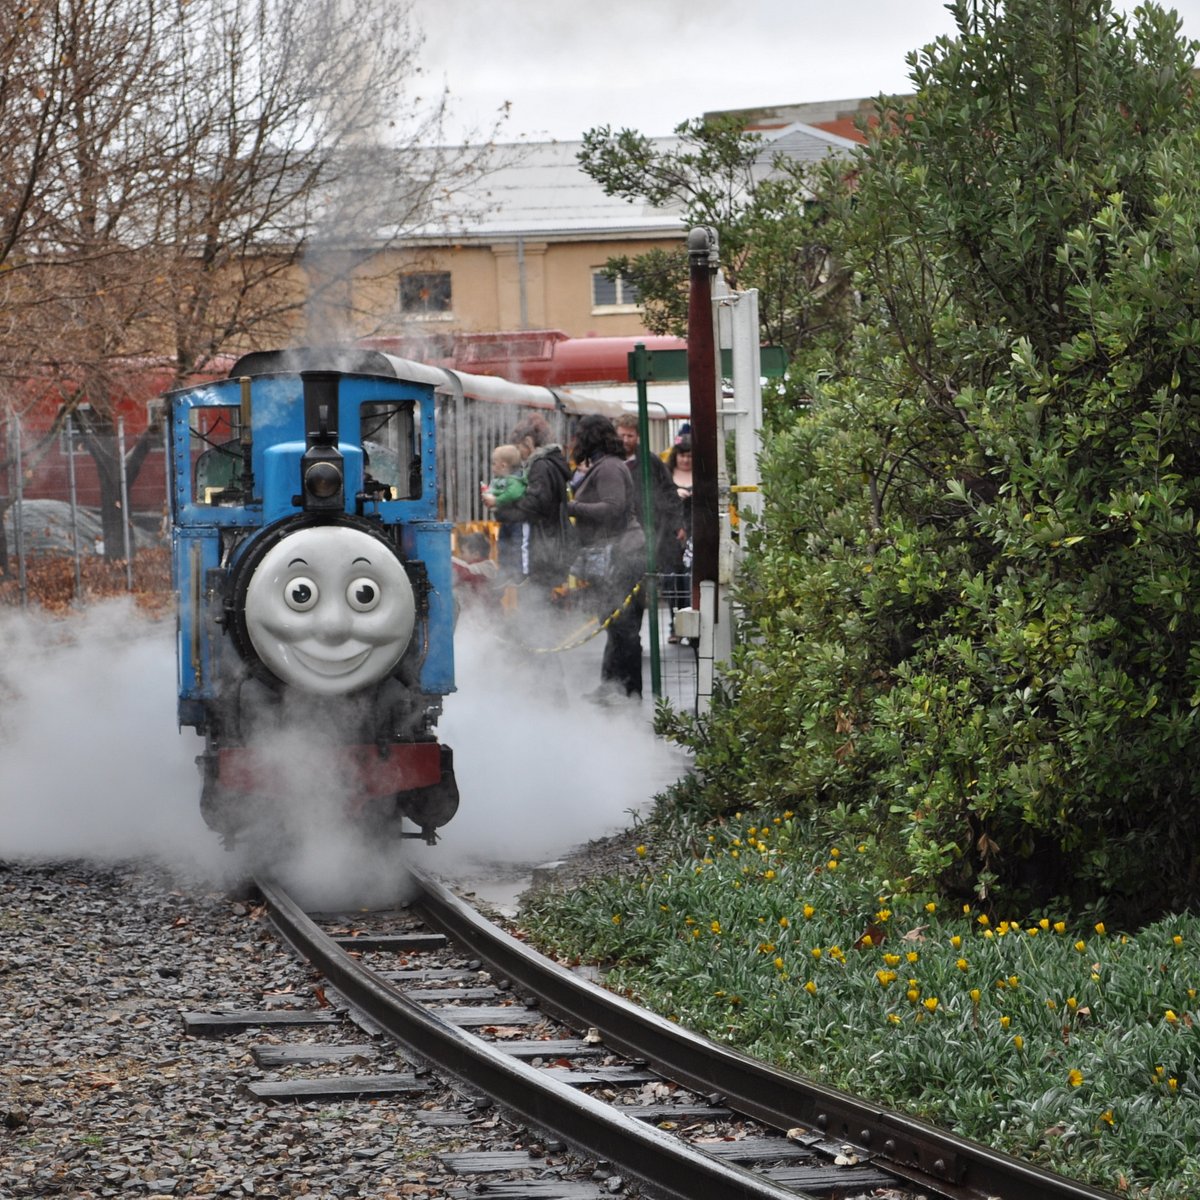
(973,603)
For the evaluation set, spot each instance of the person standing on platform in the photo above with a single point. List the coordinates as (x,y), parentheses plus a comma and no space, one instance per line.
(612,555)
(678,587)
(670,536)
(544,504)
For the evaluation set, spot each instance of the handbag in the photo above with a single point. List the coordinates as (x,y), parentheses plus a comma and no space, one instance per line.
(593,564)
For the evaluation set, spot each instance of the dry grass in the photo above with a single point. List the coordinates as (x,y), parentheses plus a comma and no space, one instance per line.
(50,581)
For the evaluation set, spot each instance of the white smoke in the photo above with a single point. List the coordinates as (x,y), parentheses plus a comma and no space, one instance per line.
(93,765)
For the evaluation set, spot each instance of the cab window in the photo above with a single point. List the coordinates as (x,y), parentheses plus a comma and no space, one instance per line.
(391,448)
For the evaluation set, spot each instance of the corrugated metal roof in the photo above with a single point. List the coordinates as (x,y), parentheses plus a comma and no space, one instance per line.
(538,190)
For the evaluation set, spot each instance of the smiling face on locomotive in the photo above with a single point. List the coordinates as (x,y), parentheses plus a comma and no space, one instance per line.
(329,610)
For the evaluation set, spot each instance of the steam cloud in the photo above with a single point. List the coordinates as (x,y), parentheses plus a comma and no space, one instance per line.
(92,764)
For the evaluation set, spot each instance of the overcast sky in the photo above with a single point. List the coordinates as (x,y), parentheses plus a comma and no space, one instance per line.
(649,64)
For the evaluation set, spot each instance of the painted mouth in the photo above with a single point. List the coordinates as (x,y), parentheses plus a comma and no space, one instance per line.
(330,668)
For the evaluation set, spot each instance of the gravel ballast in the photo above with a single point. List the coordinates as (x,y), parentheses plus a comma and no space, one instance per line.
(103,1094)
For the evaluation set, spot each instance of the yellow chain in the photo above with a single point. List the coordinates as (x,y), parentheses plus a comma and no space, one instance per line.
(585,632)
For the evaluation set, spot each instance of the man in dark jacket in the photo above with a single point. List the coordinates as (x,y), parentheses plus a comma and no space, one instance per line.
(544,505)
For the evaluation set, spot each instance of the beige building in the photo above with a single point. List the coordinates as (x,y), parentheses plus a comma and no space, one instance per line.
(525,248)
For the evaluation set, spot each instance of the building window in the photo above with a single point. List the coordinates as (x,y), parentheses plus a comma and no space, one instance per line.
(425,294)
(613,293)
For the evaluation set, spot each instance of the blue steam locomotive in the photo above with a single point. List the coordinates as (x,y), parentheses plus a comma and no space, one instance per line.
(314,583)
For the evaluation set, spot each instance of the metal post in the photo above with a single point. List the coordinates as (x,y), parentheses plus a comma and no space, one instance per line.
(18,508)
(124,504)
(70,432)
(641,373)
(746,407)
(702,390)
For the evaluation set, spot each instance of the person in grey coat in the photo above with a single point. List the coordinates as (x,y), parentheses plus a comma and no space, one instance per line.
(610,534)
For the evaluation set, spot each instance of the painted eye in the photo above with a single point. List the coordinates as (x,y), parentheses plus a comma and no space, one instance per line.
(362,595)
(300,594)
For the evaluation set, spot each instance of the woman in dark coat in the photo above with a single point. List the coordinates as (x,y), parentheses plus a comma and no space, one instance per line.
(544,505)
(606,522)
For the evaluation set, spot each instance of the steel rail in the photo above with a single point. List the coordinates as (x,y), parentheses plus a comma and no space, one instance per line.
(664,1165)
(915,1150)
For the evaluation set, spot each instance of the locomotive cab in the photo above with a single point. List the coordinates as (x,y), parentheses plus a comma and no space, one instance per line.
(314,586)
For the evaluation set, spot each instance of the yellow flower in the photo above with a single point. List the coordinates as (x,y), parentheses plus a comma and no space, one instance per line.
(640,851)
(1075,1077)
(1100,928)
(931,1003)
(1013,981)
(837,952)
(912,956)
(885,977)
(715,926)
(1172,1083)
(1044,923)
(810,988)
(891,960)
(931,907)
(1170,1017)
(1051,1005)
(1177,940)
(1107,1116)
(989,933)
(983,920)
(1033,931)
(779,964)
(956,941)
(883,914)
(913,995)
(1081,946)
(867,940)
(1005,1022)
(961,964)
(807,912)
(784,922)
(735,854)
(967,909)
(832,864)
(1019,1042)
(816,952)
(835,853)
(769,875)
(1072,1003)
(1060,927)
(975,995)
(893,1018)
(616,918)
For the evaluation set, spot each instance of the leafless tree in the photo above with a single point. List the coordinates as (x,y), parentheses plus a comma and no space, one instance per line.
(199,175)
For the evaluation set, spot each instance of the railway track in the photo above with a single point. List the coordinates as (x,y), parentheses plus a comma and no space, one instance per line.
(683,1117)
